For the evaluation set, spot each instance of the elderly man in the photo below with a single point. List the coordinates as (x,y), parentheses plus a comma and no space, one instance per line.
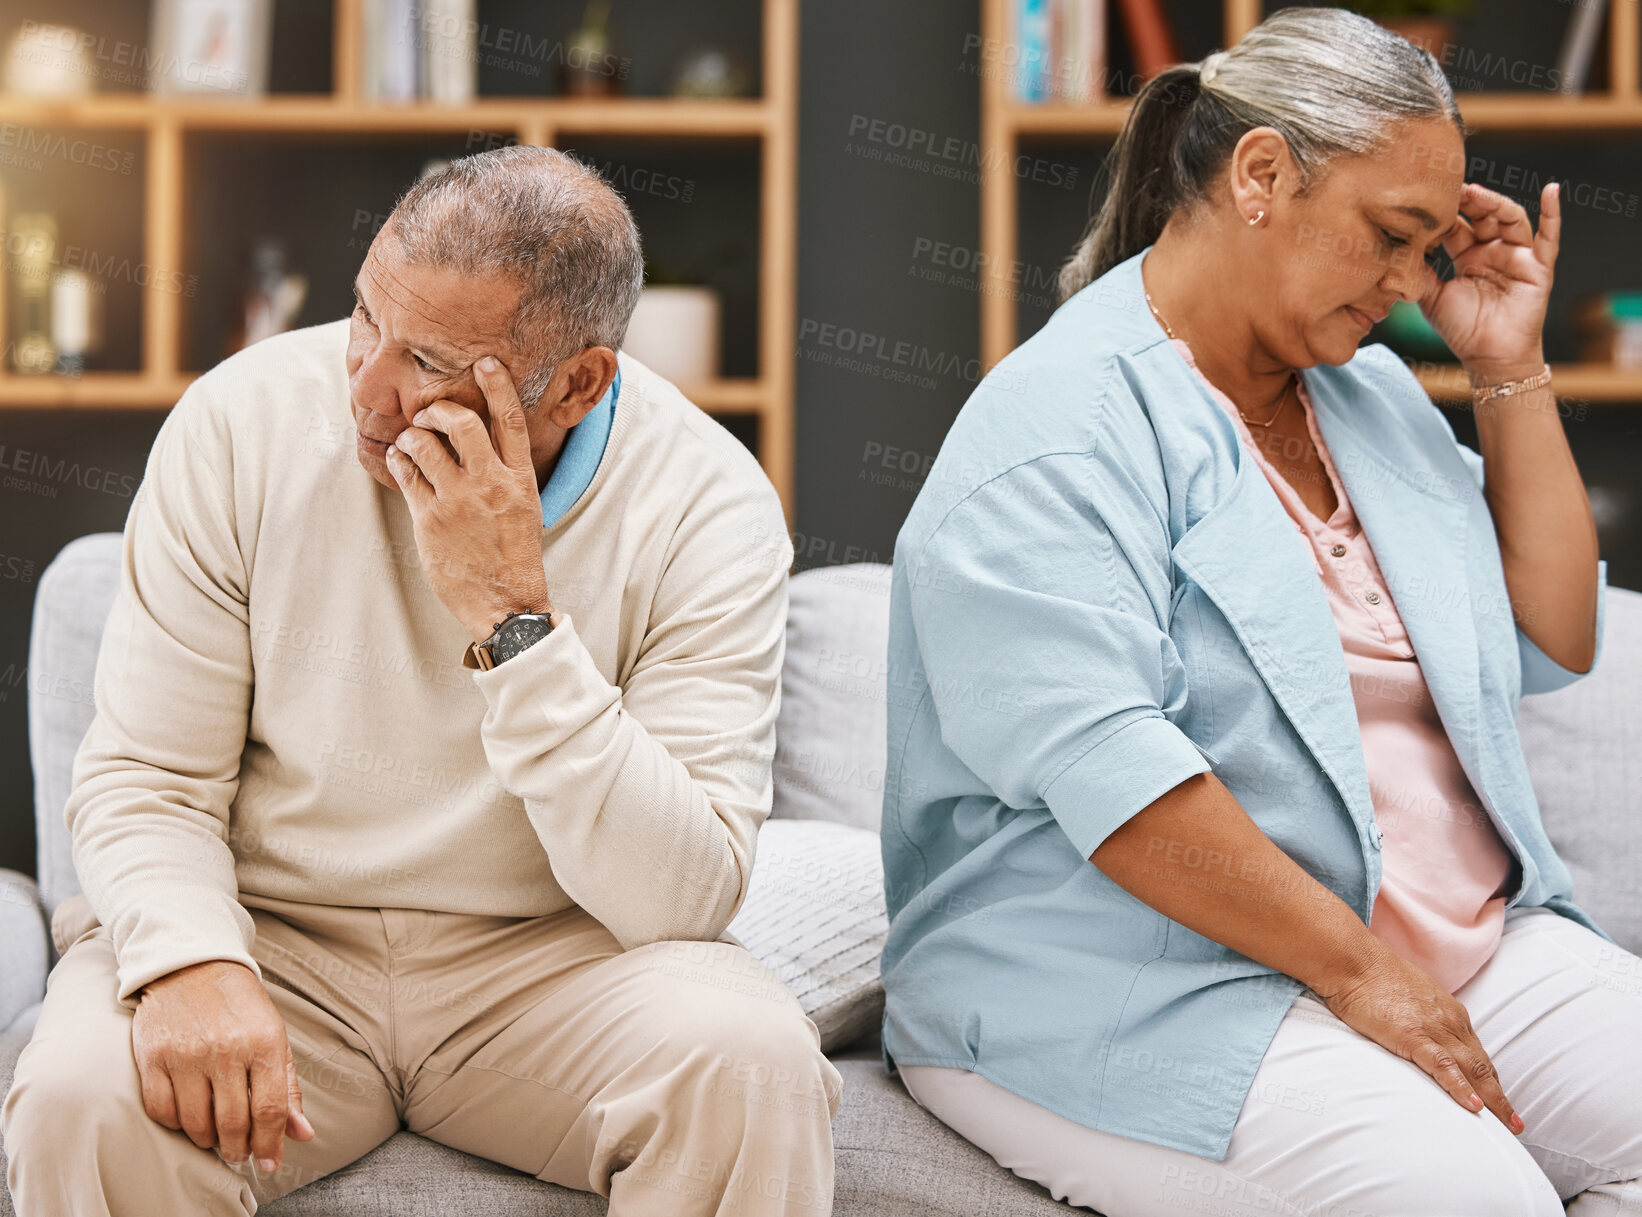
(425,776)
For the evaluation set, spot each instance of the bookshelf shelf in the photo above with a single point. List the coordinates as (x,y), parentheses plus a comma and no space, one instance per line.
(1007,123)
(1485,112)
(175,183)
(732,396)
(318,115)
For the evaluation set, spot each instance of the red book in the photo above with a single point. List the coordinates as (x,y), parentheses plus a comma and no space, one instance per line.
(1151,37)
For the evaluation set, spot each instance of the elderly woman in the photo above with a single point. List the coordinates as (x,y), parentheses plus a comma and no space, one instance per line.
(1215,876)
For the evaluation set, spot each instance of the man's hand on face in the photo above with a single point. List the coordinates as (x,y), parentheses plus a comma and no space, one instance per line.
(477,515)
(215,1063)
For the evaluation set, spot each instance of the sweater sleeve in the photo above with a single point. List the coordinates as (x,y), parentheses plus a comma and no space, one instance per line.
(158,769)
(648,797)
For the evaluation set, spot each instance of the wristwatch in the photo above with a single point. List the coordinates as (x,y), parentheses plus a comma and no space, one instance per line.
(514,633)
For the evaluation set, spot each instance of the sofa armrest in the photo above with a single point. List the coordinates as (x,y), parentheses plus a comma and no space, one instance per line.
(25,945)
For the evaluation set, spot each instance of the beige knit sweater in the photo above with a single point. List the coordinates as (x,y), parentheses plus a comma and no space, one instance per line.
(282,706)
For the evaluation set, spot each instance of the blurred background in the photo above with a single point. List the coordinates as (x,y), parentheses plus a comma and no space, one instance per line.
(850,210)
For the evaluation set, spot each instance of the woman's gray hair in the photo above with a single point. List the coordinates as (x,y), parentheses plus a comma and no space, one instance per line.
(546,220)
(1330,81)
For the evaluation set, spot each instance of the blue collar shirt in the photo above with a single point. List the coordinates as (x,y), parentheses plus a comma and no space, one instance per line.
(579,458)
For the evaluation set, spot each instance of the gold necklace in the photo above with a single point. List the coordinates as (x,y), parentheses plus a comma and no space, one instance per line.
(1281,401)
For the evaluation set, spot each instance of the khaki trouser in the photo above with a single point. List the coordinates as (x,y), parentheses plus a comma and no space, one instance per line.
(675,1078)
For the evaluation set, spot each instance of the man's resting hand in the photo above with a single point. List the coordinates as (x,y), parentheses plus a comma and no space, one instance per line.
(215,1062)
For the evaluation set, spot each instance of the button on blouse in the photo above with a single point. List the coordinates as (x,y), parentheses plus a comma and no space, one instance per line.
(1446,871)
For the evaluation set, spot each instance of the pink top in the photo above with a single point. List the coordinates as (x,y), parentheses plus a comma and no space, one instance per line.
(1446,872)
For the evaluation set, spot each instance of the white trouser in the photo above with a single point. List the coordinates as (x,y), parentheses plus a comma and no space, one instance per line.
(1337,1126)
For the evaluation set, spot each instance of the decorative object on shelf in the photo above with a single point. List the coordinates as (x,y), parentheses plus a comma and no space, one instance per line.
(1428,24)
(449,33)
(675,332)
(32,243)
(1579,46)
(76,319)
(1406,331)
(712,72)
(1610,329)
(215,48)
(273,296)
(588,66)
(1058,50)
(49,61)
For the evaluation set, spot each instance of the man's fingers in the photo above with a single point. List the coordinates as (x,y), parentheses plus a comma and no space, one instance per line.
(194,1108)
(415,487)
(297,1126)
(430,457)
(231,1107)
(467,434)
(269,1106)
(159,1099)
(509,430)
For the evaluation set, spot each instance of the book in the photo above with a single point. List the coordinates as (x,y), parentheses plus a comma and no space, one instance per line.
(1060,50)
(449,32)
(397,49)
(1031,38)
(1151,36)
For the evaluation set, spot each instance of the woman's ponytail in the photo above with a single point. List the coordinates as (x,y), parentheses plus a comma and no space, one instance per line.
(1144,180)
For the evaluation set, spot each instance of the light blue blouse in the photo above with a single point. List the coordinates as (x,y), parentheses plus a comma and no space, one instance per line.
(1096,596)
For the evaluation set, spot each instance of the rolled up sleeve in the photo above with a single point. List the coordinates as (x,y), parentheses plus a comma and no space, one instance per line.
(1041,623)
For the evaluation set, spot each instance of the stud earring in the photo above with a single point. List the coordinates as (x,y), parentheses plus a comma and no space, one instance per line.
(1255,219)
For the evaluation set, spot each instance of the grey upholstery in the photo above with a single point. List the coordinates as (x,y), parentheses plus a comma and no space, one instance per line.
(893,1158)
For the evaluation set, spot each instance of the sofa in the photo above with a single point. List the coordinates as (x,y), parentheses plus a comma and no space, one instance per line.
(811,911)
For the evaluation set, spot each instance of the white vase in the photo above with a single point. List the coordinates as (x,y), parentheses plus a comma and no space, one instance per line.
(675,333)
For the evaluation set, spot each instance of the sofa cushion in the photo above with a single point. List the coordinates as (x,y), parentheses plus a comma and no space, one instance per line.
(1582,743)
(829,734)
(24,946)
(71,606)
(814,915)
(893,1159)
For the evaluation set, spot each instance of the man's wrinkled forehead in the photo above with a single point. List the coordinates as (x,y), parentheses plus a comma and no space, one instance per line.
(442,331)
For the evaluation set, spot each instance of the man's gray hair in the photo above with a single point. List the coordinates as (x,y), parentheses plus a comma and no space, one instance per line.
(549,222)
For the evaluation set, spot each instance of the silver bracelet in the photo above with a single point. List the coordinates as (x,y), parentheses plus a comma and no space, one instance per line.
(1509,388)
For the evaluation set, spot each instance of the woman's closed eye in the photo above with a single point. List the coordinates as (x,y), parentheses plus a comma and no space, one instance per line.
(1395,241)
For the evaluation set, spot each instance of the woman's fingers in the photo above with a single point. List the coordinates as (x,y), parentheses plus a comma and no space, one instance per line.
(1548,240)
(1492,216)
(1462,1068)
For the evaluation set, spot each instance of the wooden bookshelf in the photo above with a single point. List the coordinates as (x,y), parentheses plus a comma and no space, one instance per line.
(1007,123)
(768,124)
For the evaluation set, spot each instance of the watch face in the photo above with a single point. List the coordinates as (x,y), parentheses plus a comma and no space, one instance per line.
(517,636)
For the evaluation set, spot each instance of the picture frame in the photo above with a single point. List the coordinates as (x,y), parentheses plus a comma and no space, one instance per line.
(211,48)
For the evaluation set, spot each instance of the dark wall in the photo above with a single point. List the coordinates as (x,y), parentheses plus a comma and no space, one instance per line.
(888,336)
